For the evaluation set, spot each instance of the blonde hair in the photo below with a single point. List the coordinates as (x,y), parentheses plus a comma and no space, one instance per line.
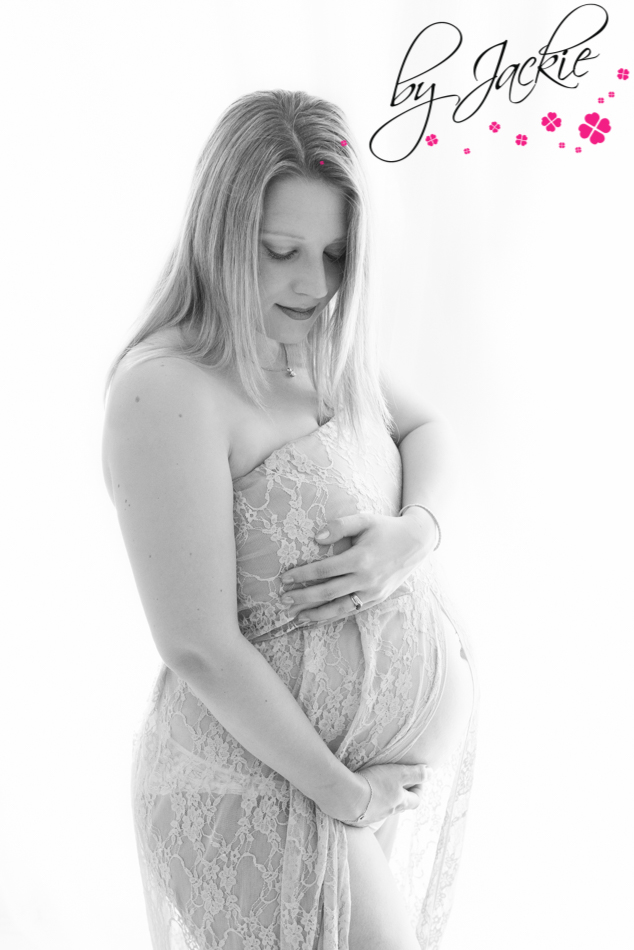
(209,285)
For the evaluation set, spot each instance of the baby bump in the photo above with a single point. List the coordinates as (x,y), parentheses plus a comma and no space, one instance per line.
(449,722)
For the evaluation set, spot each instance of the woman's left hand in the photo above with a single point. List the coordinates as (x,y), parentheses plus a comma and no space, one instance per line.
(385,549)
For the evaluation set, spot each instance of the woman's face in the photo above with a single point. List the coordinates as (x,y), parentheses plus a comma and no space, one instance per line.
(301,254)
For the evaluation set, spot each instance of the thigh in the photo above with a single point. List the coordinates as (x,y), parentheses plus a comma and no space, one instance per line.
(379,918)
(386,834)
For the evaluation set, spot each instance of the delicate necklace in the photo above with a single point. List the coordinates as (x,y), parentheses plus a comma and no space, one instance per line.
(287,370)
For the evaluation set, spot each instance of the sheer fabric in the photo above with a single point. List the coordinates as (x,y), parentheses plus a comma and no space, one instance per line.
(232,855)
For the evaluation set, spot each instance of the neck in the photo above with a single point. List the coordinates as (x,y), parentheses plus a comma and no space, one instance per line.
(272,354)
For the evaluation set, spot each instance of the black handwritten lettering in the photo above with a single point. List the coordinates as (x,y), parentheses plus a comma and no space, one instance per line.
(552,64)
(400,81)
(581,56)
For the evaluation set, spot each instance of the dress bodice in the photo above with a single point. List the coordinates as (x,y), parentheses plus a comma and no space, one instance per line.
(280,503)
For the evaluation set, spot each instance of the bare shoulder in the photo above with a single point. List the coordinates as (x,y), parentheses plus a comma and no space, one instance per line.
(160,384)
(166,402)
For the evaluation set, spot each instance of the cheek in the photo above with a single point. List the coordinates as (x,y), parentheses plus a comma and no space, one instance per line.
(269,280)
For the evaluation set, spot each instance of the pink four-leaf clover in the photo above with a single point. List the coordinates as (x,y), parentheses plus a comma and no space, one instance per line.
(551,121)
(596,128)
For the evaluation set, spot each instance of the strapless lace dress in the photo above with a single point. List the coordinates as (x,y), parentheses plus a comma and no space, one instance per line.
(234,857)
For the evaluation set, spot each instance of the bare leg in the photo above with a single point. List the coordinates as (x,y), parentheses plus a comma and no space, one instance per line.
(379,916)
(386,834)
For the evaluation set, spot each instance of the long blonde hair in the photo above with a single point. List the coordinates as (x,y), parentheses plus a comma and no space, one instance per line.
(209,285)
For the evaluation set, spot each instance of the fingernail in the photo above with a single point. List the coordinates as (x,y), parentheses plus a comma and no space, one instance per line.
(287,599)
(322,534)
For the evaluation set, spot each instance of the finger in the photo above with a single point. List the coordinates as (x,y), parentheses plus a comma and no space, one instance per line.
(317,594)
(331,610)
(334,609)
(354,560)
(416,774)
(413,800)
(417,790)
(315,571)
(351,565)
(344,527)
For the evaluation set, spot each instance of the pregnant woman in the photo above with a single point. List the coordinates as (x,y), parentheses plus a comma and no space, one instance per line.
(302,771)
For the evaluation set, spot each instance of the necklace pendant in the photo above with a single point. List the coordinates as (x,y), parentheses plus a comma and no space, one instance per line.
(291,372)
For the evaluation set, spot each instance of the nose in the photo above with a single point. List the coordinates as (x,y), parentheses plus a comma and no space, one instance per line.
(310,279)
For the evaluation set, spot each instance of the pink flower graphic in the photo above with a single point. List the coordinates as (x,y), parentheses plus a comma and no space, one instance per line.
(551,121)
(343,142)
(600,99)
(495,127)
(595,128)
(431,140)
(623,74)
(578,148)
(467,151)
(562,145)
(521,139)
(611,95)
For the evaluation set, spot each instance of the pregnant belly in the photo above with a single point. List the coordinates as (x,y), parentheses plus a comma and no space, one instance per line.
(449,722)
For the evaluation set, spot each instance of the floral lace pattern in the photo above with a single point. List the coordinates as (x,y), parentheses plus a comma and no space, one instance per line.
(232,856)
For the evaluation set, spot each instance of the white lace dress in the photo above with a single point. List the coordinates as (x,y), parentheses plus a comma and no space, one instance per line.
(232,855)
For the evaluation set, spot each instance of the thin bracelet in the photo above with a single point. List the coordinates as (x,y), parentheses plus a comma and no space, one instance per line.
(365,811)
(415,504)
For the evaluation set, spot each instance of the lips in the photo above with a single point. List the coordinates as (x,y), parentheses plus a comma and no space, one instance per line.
(296,314)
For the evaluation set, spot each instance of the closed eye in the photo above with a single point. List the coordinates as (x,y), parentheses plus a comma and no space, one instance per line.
(279,257)
(287,257)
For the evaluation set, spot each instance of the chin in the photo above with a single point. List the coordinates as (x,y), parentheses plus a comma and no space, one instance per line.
(289,331)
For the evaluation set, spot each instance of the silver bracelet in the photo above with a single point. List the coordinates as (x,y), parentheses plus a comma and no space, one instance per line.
(415,504)
(365,811)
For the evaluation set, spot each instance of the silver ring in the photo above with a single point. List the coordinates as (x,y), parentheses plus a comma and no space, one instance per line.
(355,600)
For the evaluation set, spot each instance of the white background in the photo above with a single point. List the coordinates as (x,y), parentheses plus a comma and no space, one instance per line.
(502,290)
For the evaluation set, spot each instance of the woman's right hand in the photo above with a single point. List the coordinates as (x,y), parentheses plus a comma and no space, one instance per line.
(396,787)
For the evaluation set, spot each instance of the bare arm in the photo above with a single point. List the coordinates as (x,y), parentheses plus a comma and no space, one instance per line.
(430,453)
(167,453)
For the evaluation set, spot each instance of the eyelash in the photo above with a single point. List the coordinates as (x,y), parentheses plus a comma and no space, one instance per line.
(288,257)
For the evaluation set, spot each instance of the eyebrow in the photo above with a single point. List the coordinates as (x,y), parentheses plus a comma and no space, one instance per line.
(296,237)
